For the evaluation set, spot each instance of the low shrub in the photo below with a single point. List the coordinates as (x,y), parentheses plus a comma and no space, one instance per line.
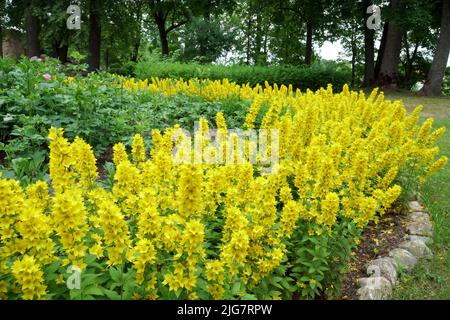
(317,75)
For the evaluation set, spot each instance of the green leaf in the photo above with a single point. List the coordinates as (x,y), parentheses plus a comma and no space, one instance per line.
(53,267)
(203,295)
(178,292)
(88,279)
(111,294)
(116,275)
(274,293)
(93,290)
(75,294)
(236,288)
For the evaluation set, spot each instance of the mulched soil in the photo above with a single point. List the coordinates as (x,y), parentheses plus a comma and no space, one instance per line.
(377,240)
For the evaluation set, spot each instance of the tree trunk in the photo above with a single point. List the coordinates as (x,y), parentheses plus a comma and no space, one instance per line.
(249,25)
(59,51)
(161,23)
(135,54)
(381,49)
(433,83)
(354,53)
(137,39)
(309,43)
(409,66)
(265,49)
(106,57)
(55,49)
(95,35)
(2,14)
(388,77)
(369,50)
(164,42)
(207,10)
(63,52)
(1,41)
(258,37)
(33,27)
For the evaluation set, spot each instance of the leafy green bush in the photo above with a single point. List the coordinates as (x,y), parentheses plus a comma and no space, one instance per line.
(313,77)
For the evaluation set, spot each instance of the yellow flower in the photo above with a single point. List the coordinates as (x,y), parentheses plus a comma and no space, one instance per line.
(84,163)
(61,161)
(138,150)
(119,153)
(142,255)
(289,218)
(188,195)
(29,276)
(329,209)
(3,290)
(214,271)
(70,223)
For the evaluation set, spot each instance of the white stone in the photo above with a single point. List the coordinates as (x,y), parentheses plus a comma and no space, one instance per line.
(420,228)
(403,258)
(384,267)
(416,248)
(374,288)
(426,240)
(415,206)
(419,216)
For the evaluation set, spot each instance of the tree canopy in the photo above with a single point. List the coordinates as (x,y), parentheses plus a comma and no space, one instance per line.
(411,45)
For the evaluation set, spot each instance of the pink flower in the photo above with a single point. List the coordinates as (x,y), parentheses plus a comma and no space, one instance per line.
(47,77)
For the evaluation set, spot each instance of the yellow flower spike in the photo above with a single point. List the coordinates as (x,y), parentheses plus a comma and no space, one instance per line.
(119,153)
(138,150)
(29,276)
(61,160)
(84,163)
(70,223)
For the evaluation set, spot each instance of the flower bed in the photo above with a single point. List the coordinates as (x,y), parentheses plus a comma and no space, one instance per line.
(162,229)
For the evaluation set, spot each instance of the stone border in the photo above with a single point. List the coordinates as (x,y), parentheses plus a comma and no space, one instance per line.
(383,271)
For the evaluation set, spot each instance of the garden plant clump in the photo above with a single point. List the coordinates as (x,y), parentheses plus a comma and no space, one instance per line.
(160,229)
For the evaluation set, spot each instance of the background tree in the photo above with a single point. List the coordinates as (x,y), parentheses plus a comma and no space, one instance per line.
(433,83)
(369,46)
(2,24)
(33,28)
(169,15)
(117,34)
(207,35)
(95,33)
(312,14)
(55,39)
(388,77)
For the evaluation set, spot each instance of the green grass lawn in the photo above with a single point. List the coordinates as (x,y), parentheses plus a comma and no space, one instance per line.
(431,278)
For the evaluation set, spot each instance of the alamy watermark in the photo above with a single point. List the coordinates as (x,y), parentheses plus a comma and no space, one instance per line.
(227,146)
(74,20)
(74,280)
(374,21)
